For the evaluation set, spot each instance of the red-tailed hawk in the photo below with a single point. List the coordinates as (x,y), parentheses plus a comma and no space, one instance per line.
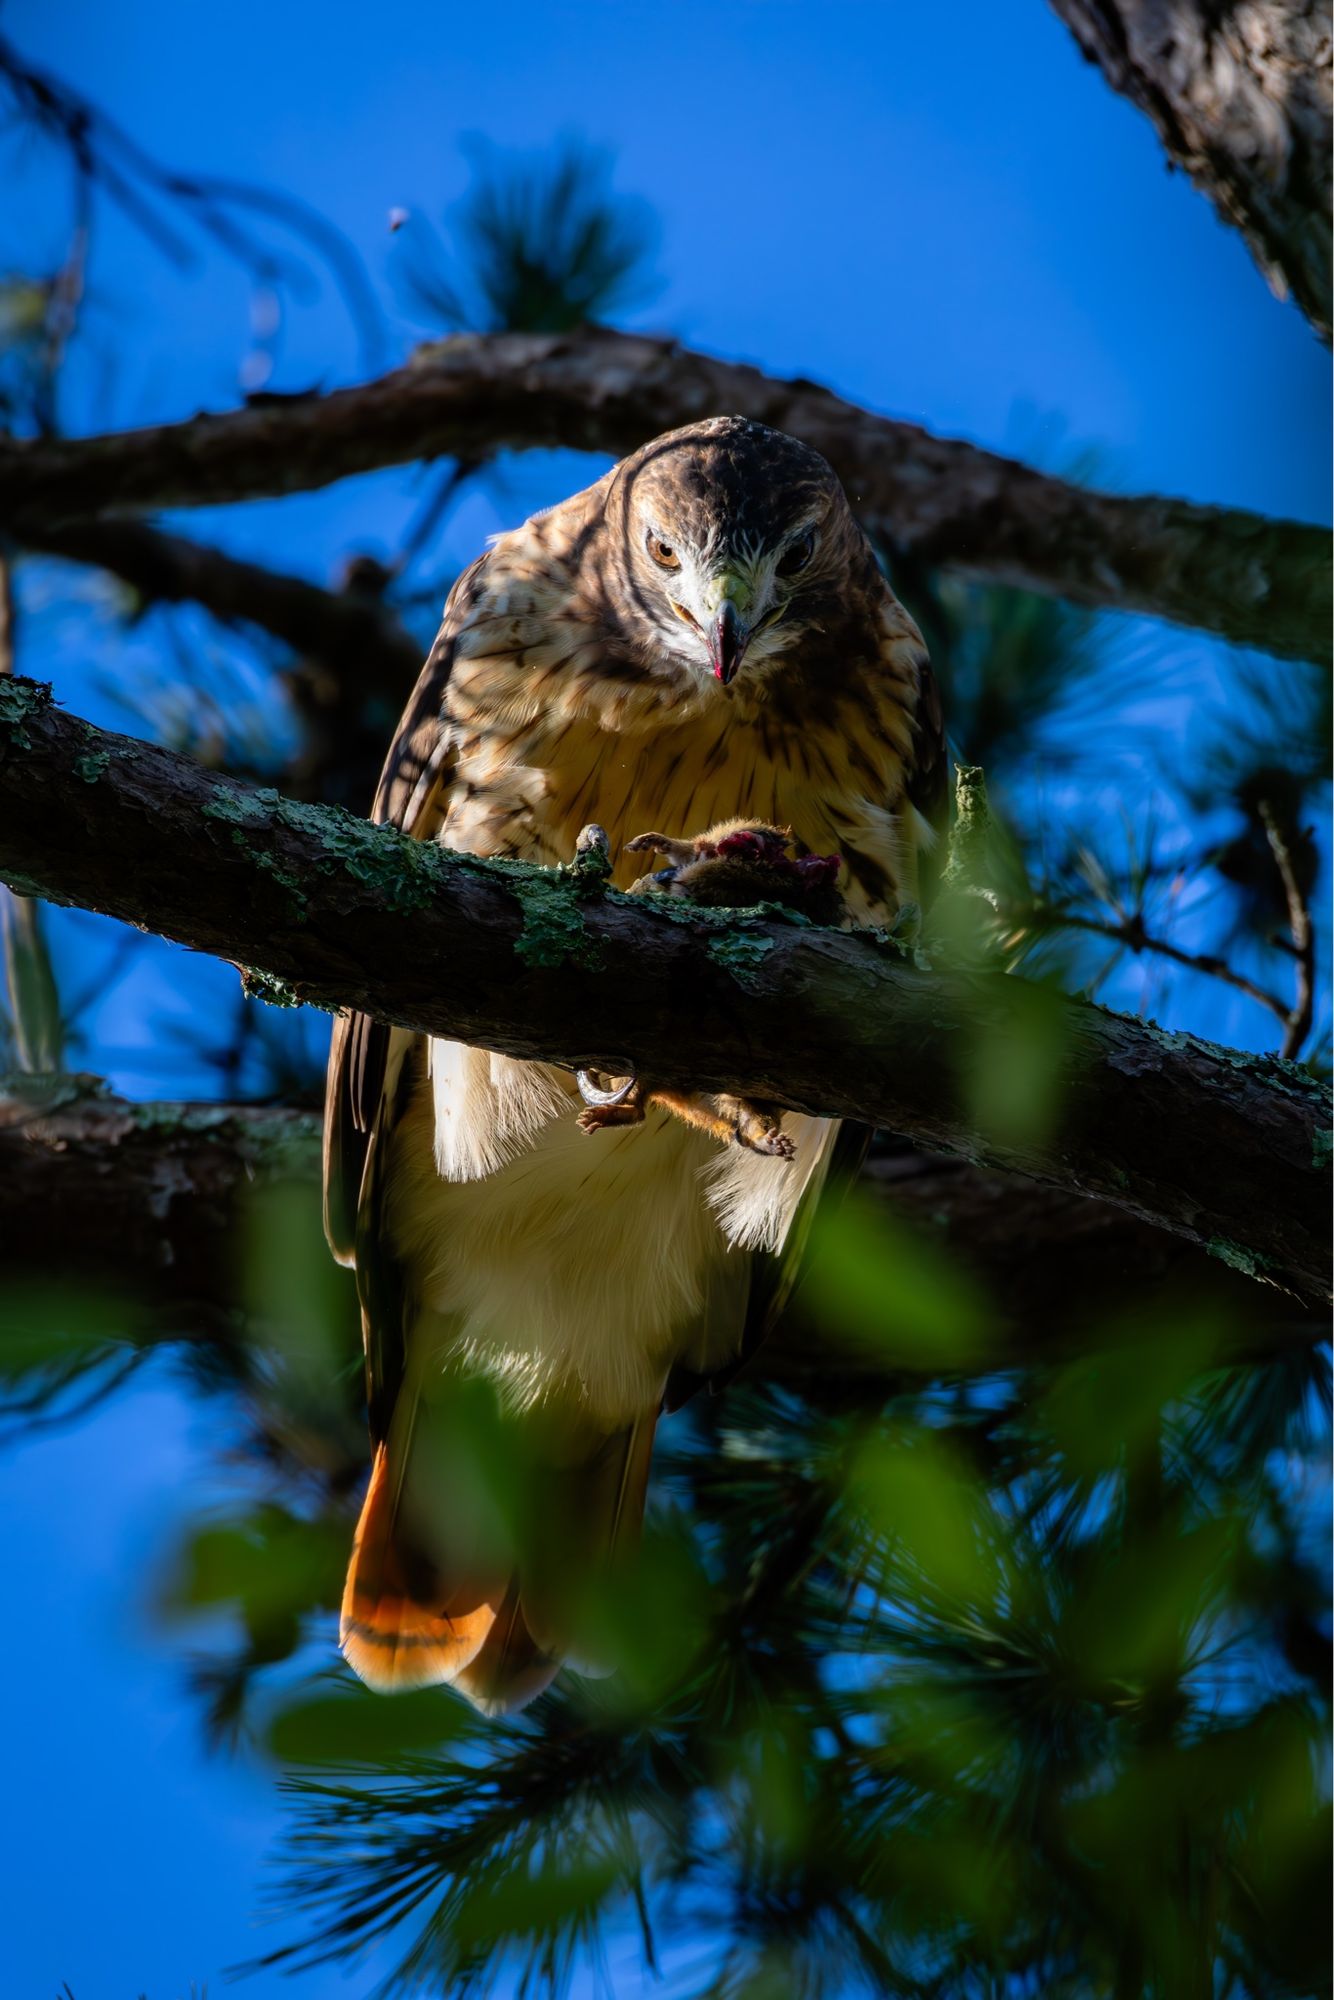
(702,635)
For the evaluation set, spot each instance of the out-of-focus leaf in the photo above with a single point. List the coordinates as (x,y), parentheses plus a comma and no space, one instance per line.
(1012,1070)
(933,1516)
(1108,1409)
(649,1620)
(350,1726)
(876,1285)
(270,1566)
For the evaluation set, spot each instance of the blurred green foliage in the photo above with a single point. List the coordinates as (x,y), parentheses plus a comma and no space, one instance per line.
(986,1690)
(1004,1681)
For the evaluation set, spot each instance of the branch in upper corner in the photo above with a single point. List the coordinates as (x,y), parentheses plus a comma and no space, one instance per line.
(1240,96)
(1255,581)
(1228,1151)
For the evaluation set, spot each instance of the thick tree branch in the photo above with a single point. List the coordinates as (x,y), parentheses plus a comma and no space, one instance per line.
(1239,93)
(1256,581)
(158,1189)
(345,629)
(1226,1150)
(160,1192)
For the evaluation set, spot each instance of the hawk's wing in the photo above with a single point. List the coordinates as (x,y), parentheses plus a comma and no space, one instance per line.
(366,1057)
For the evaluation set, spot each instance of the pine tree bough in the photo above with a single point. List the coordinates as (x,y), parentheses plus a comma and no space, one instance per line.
(1229,1151)
(1255,581)
(1240,96)
(162,1193)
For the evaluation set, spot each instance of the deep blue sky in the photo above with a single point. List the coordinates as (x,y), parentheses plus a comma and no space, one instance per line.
(942,212)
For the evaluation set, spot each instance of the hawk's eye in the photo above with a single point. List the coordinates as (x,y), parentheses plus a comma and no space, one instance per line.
(797,557)
(663,554)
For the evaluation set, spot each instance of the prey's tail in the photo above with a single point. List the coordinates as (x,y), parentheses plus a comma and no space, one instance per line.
(445,1585)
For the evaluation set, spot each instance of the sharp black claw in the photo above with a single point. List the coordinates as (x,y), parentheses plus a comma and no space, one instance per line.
(590,1093)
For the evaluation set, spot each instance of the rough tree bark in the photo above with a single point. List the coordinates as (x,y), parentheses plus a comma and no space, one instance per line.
(160,1191)
(1228,1151)
(1239,92)
(1255,581)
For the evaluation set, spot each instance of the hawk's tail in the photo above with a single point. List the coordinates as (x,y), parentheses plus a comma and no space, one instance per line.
(497,1630)
(405,1623)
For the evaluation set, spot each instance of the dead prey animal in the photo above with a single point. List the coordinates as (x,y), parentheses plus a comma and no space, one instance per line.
(731,866)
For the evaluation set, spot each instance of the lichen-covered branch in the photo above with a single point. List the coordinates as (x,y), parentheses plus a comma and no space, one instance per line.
(161,1192)
(1256,581)
(1239,92)
(1229,1151)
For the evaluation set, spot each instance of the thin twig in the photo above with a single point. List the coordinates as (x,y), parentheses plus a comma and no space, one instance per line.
(1131,933)
(1298,1016)
(103,153)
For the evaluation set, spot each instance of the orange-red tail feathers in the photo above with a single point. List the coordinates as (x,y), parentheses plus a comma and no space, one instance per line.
(404,1625)
(413,1617)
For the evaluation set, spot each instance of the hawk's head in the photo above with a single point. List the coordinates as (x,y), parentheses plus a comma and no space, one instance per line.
(735,540)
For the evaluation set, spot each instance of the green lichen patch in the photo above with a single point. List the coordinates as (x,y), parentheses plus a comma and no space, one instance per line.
(1322,1147)
(713,917)
(234,806)
(554,931)
(91,765)
(1251,1263)
(168,1120)
(266,986)
(21,702)
(404,874)
(743,955)
(286,1141)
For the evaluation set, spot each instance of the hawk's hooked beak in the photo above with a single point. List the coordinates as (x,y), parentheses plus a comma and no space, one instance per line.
(728,638)
(729,633)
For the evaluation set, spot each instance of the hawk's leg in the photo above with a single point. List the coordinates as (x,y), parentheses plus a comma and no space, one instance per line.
(622,1106)
(597,1117)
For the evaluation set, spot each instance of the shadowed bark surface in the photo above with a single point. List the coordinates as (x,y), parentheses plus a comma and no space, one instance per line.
(1239,92)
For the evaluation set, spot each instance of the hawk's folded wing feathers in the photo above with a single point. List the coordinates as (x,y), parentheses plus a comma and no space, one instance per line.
(413,796)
